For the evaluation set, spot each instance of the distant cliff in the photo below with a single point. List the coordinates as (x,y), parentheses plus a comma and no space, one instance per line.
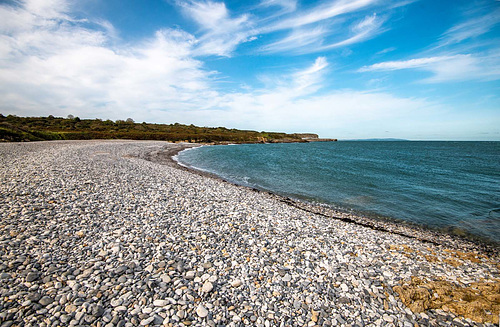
(310,137)
(306,136)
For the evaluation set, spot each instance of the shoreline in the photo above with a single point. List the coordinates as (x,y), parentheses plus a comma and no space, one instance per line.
(389,225)
(92,233)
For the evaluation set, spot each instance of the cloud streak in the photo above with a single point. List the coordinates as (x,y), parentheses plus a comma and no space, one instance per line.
(321,13)
(447,68)
(221,33)
(471,28)
(313,40)
(309,30)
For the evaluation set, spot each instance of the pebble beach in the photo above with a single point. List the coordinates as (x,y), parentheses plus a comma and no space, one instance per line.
(114,233)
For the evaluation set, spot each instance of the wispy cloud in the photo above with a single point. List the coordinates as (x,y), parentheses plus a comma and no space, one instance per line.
(364,30)
(310,77)
(405,64)
(386,50)
(285,5)
(314,39)
(221,32)
(321,13)
(458,54)
(319,28)
(447,68)
(471,28)
(298,40)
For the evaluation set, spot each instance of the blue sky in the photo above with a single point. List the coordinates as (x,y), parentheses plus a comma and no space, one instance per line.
(415,69)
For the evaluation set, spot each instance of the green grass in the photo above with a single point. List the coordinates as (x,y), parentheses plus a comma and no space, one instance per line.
(20,129)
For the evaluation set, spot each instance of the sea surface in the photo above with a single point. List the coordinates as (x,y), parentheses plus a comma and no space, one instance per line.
(449,186)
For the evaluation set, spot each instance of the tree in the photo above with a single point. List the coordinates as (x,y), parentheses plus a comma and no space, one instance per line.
(130,120)
(71,117)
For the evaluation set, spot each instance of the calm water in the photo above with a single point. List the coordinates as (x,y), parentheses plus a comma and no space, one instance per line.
(453,186)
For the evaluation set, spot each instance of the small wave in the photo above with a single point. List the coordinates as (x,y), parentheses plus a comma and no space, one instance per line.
(176,157)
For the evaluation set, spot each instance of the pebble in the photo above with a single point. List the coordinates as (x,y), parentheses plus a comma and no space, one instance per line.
(46,300)
(160,303)
(207,287)
(236,283)
(112,233)
(32,276)
(201,311)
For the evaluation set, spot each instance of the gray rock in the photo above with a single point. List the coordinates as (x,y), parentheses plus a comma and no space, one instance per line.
(46,300)
(32,276)
(5,276)
(96,310)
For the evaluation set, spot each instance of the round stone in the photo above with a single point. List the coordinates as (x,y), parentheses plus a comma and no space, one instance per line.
(207,287)
(201,311)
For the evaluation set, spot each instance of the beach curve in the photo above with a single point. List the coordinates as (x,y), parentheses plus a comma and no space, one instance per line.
(92,232)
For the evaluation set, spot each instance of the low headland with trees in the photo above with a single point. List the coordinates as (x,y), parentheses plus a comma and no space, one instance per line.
(23,129)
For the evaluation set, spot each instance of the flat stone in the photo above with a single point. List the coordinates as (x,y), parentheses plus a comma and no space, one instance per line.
(165,278)
(160,303)
(201,311)
(236,283)
(70,308)
(5,276)
(32,276)
(147,321)
(46,300)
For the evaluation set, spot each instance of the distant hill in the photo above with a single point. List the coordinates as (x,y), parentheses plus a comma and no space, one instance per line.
(19,129)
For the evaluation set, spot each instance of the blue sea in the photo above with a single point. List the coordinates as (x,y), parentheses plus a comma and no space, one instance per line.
(449,186)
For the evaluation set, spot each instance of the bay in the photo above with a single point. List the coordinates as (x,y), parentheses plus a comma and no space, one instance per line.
(450,186)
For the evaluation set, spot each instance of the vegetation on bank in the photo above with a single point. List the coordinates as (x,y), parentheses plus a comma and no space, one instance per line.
(19,129)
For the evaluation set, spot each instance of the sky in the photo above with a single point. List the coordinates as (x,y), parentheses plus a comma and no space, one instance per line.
(412,69)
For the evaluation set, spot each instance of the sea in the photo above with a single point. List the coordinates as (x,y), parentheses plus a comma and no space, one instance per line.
(453,187)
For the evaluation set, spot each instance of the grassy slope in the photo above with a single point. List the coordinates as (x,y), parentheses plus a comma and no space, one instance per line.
(16,129)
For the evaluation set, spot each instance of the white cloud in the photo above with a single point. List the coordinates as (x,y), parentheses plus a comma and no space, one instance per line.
(221,33)
(364,30)
(286,5)
(298,40)
(312,40)
(321,13)
(386,50)
(335,114)
(447,68)
(471,28)
(310,77)
(52,64)
(311,30)
(405,64)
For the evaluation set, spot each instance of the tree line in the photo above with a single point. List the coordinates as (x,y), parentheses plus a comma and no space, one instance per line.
(22,129)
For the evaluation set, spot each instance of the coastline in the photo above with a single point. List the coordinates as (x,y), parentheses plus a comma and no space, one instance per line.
(91,233)
(394,226)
